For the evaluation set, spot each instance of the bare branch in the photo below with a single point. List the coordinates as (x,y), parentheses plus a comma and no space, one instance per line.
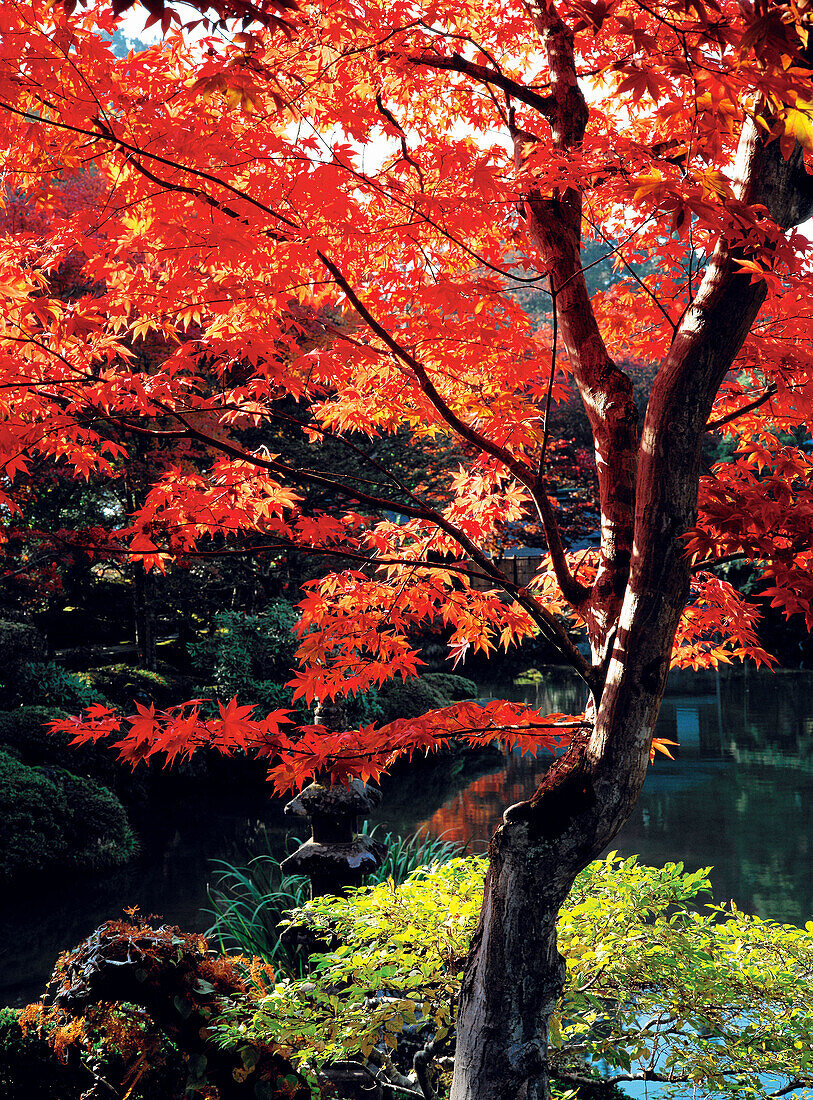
(713,425)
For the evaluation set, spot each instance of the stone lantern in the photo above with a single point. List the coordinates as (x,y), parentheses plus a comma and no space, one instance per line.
(335,856)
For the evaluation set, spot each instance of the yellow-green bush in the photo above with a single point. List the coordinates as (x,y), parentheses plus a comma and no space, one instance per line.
(700,998)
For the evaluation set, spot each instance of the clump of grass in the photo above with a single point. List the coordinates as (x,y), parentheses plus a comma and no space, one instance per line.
(407,854)
(249,901)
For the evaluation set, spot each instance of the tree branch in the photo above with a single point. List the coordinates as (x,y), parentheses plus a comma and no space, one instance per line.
(572,1078)
(713,425)
(572,589)
(554,225)
(548,624)
(456,63)
(791,1086)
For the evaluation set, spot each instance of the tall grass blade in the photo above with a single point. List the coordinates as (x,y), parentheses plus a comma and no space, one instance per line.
(249,901)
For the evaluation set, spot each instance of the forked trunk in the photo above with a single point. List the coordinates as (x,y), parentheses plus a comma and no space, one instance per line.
(514,973)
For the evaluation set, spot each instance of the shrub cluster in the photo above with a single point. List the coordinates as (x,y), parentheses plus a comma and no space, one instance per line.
(52,820)
(454,687)
(30,1070)
(709,999)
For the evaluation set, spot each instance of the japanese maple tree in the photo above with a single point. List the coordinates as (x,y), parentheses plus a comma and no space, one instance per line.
(332,203)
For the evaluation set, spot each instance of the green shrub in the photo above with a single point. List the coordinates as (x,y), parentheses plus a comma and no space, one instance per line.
(717,1001)
(20,642)
(451,685)
(24,734)
(99,834)
(268,695)
(45,683)
(246,649)
(251,656)
(33,817)
(410,699)
(363,708)
(51,820)
(23,731)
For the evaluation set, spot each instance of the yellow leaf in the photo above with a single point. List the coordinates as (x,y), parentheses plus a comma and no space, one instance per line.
(648,184)
(750,265)
(798,125)
(714,183)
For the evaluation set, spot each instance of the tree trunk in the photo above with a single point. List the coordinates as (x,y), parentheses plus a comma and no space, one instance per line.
(518,973)
(142,614)
(514,973)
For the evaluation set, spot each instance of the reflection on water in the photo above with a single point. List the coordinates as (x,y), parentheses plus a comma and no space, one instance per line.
(169,879)
(737,797)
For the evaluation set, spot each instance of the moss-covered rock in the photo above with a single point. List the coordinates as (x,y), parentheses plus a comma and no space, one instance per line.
(123,683)
(51,820)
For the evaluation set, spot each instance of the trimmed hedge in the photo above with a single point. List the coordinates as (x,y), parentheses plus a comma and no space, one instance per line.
(20,642)
(24,734)
(51,820)
(450,684)
(410,699)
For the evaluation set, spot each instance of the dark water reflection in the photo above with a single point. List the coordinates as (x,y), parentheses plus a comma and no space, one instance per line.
(738,797)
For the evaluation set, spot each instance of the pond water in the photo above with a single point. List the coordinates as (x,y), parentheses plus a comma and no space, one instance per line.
(738,797)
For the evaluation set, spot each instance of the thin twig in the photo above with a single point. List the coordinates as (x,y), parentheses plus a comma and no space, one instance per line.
(713,425)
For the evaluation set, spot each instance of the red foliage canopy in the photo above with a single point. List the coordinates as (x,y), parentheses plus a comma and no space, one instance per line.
(333,210)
